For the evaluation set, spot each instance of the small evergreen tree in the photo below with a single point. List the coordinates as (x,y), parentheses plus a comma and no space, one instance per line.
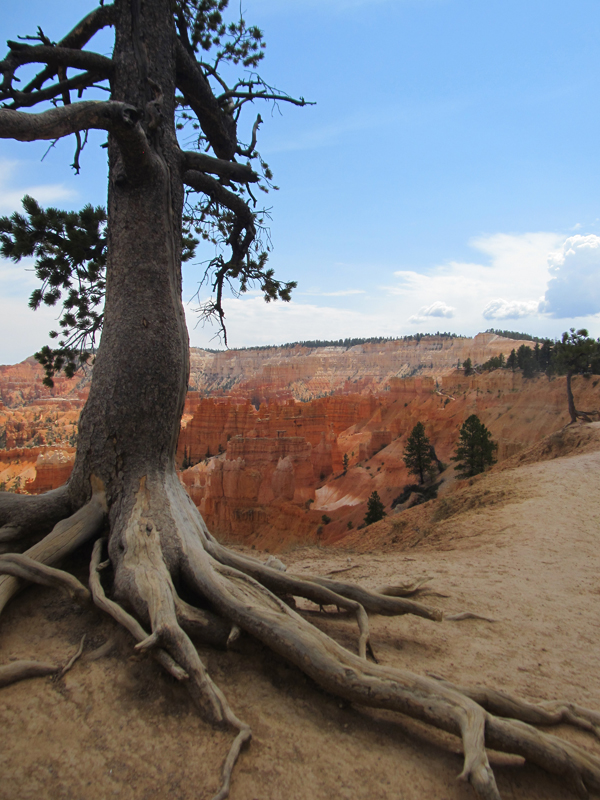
(417,456)
(468,366)
(345,462)
(375,509)
(511,361)
(475,449)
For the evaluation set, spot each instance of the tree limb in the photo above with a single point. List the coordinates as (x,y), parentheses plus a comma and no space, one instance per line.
(118,118)
(231,170)
(27,99)
(263,95)
(218,126)
(217,192)
(56,56)
(97,19)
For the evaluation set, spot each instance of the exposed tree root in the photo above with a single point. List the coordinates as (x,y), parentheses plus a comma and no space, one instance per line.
(123,618)
(22,566)
(21,670)
(66,536)
(24,518)
(73,658)
(244,594)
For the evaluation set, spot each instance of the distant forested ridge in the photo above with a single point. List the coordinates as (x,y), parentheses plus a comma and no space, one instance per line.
(346,343)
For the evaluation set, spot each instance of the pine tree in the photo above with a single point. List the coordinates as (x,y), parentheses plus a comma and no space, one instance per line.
(417,456)
(576,354)
(375,509)
(475,449)
(345,462)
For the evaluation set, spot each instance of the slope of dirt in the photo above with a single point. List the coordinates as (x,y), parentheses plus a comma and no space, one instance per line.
(519,545)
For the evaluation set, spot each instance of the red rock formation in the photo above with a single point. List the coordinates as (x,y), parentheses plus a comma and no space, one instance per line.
(275,464)
(52,469)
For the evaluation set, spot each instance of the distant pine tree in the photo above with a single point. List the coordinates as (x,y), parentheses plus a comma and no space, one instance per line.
(375,509)
(417,456)
(475,449)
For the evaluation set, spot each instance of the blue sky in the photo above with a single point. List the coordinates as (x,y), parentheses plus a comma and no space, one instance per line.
(447,178)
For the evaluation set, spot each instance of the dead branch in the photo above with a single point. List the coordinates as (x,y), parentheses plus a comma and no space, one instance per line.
(230,170)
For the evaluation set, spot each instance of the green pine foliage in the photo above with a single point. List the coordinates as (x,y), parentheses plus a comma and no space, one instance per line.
(69,248)
(576,353)
(475,450)
(375,509)
(417,455)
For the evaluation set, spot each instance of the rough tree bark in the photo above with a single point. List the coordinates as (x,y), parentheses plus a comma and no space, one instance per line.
(124,490)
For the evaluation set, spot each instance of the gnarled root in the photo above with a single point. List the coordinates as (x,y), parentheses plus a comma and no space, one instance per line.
(159,541)
(66,536)
(21,670)
(25,518)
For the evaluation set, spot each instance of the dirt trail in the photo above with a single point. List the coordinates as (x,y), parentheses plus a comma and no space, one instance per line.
(115,727)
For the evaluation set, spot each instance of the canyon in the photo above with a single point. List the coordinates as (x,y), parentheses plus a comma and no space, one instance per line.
(283,446)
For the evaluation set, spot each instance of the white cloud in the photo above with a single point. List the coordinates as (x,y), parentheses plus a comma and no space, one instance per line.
(10,197)
(574,286)
(501,309)
(516,267)
(437,309)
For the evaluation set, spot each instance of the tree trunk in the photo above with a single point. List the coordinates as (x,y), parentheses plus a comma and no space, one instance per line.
(570,400)
(128,430)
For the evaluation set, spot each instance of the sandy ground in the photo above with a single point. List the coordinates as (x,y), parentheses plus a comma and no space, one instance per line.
(115,727)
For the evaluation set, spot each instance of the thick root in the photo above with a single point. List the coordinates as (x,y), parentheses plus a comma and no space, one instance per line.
(25,518)
(21,670)
(65,537)
(123,618)
(150,589)
(317,589)
(21,566)
(554,712)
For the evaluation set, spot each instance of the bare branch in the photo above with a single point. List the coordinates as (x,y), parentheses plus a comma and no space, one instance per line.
(56,56)
(250,149)
(265,95)
(241,173)
(79,82)
(80,35)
